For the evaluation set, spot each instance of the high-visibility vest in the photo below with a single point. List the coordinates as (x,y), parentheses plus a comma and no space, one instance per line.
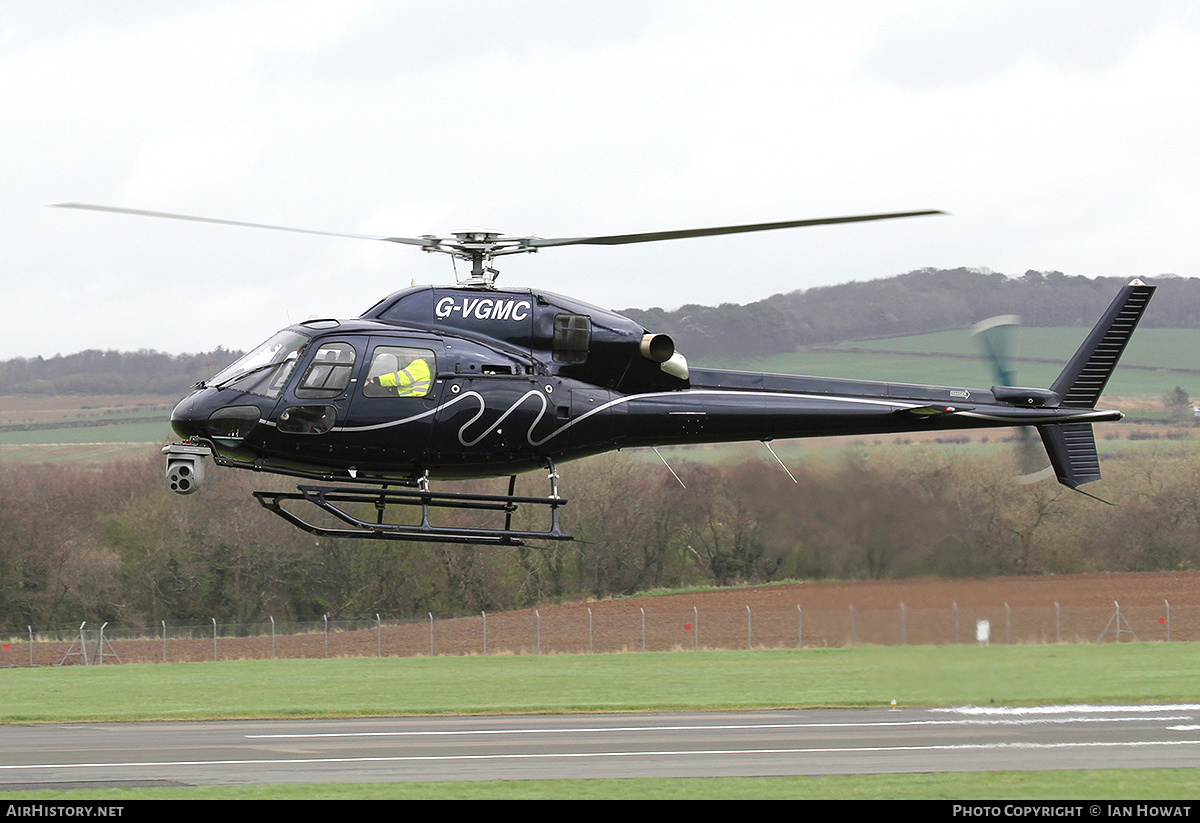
(413,381)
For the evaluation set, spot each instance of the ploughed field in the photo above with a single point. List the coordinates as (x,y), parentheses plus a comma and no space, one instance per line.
(1156,606)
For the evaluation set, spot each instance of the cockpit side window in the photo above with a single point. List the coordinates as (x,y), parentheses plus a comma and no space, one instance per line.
(572,338)
(400,371)
(329,373)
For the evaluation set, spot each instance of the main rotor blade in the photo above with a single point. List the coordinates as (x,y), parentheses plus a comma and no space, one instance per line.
(414,241)
(647,237)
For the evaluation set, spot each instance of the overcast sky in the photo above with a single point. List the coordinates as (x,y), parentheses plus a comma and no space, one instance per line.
(1059,135)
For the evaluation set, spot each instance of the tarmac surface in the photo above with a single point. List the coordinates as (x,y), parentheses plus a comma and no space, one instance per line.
(812,742)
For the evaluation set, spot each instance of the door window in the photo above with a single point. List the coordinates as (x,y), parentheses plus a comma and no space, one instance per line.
(329,373)
(400,371)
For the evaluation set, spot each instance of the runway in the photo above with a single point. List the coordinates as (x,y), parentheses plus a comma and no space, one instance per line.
(810,742)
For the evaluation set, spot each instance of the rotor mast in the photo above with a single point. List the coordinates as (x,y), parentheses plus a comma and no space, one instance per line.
(478,246)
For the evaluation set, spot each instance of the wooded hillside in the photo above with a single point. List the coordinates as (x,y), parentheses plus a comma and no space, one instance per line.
(111,372)
(921,301)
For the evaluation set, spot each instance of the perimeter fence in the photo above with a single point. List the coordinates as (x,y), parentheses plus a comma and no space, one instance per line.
(582,630)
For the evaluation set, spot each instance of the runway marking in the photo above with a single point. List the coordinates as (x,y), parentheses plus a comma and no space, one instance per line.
(724,727)
(583,755)
(1068,709)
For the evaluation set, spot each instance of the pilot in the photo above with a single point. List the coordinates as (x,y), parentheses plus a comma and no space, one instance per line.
(413,380)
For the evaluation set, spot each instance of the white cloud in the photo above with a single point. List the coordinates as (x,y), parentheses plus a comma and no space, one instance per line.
(176,165)
(1059,136)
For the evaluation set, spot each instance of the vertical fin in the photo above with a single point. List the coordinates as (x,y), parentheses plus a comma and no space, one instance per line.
(1087,373)
(1072,446)
(1072,450)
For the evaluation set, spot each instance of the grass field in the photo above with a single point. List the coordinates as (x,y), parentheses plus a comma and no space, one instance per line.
(1125,784)
(866,676)
(859,676)
(117,428)
(155,433)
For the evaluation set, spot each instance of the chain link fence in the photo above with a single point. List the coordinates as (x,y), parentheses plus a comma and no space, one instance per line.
(582,630)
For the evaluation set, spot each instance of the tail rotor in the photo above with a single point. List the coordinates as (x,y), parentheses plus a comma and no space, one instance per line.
(996,338)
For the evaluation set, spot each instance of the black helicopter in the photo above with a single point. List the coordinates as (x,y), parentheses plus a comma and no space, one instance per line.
(478,381)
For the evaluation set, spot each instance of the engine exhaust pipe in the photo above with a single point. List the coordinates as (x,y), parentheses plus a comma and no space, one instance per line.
(658,348)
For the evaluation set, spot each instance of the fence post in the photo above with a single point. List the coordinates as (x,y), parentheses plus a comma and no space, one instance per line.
(749,635)
(214,620)
(589,629)
(643,629)
(1057,623)
(799,627)
(484,631)
(431,634)
(1007,625)
(695,629)
(1168,605)
(164,628)
(1116,621)
(326,636)
(378,636)
(903,626)
(30,630)
(272,636)
(954,607)
(853,631)
(537,622)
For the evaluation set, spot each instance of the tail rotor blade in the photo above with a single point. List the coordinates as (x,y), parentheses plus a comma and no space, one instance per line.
(996,338)
(1032,462)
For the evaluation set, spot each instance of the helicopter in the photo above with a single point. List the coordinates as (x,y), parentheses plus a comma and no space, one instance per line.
(478,381)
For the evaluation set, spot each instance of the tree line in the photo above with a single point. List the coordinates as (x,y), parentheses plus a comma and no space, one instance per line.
(110,543)
(111,372)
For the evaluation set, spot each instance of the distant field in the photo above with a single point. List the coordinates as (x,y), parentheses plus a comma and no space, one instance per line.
(80,453)
(1156,361)
(82,428)
(108,434)
(18,410)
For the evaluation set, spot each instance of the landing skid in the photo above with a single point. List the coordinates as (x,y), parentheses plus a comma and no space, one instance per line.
(334,499)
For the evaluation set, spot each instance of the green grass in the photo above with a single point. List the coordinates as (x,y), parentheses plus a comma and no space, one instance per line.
(1130,784)
(707,680)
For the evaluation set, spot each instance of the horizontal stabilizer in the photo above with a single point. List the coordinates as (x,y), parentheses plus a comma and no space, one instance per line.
(1086,375)
(1072,450)
(932,411)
